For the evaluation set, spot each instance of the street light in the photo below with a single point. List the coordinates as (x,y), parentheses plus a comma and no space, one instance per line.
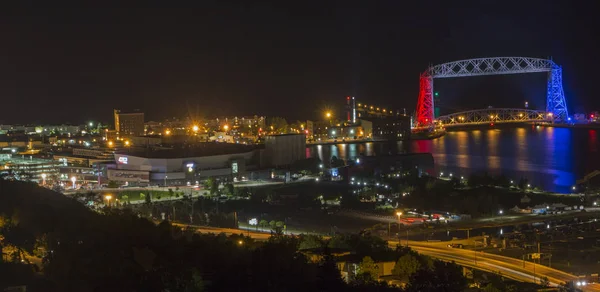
(226,127)
(195,128)
(108,197)
(166,176)
(500,212)
(73,179)
(43,179)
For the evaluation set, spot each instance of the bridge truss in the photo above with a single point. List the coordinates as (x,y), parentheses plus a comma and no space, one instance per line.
(492,116)
(555,96)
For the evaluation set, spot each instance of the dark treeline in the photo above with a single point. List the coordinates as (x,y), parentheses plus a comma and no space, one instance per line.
(117,250)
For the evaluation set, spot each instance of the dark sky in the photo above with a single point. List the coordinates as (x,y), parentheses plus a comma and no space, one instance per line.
(72,63)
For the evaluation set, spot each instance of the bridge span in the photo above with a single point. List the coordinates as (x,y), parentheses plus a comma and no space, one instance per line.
(555,96)
(492,116)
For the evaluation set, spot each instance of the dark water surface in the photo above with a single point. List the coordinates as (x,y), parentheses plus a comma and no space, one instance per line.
(550,158)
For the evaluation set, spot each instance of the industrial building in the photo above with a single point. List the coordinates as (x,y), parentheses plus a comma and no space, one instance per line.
(285,149)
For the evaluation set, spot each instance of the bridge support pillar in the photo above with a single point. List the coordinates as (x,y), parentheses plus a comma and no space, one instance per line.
(555,96)
(425,104)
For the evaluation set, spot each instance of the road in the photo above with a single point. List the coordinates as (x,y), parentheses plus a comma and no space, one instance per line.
(515,269)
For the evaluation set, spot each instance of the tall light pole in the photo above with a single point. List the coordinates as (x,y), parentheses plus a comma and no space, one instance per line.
(166,180)
(399,214)
(108,197)
(73,179)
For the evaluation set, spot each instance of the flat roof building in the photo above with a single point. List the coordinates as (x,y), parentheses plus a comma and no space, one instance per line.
(129,124)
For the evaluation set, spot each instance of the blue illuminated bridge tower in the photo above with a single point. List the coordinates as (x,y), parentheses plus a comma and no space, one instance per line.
(556,105)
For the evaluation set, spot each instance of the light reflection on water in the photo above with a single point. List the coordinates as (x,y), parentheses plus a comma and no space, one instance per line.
(551,158)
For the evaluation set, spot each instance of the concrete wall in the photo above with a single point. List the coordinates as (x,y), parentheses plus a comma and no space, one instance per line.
(281,150)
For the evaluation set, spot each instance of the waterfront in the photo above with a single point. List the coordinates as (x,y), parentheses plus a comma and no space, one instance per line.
(550,158)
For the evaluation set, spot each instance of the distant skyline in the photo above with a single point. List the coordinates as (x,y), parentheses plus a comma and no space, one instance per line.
(77,62)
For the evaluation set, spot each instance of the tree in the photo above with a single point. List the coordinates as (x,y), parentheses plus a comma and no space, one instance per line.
(229,189)
(568,287)
(17,236)
(523,182)
(490,288)
(212,186)
(310,242)
(406,266)
(328,275)
(278,125)
(544,282)
(263,223)
(443,277)
(367,270)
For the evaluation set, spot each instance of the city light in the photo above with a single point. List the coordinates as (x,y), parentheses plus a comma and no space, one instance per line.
(73,179)
(43,179)
(110,143)
(573,187)
(168,132)
(500,212)
(126,143)
(226,127)
(108,198)
(398,214)
(328,114)
(91,124)
(195,128)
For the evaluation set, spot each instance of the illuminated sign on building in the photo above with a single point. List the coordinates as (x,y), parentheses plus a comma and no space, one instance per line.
(190,167)
(123,160)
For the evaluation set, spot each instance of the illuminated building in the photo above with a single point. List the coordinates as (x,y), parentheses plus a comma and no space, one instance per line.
(129,124)
(391,128)
(27,168)
(223,161)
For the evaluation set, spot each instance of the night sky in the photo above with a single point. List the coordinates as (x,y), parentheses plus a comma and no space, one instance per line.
(73,63)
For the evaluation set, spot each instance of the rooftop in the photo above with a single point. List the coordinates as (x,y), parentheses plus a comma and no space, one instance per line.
(195,150)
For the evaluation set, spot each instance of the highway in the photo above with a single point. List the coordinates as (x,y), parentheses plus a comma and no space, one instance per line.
(511,268)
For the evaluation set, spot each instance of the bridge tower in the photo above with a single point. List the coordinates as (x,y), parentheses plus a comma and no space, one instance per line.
(555,96)
(425,102)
